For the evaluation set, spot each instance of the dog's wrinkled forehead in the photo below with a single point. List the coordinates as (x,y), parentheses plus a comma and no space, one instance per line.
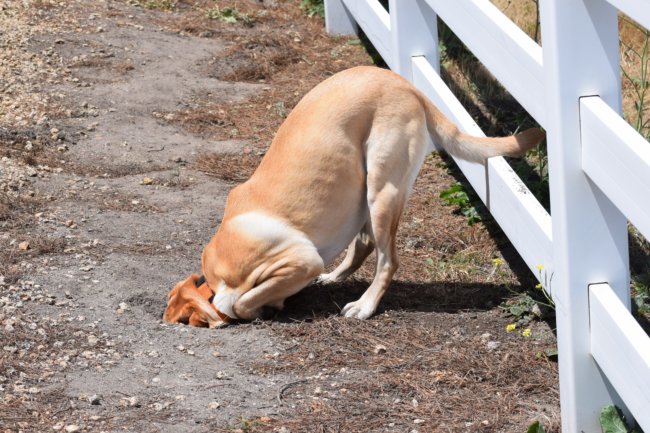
(188,284)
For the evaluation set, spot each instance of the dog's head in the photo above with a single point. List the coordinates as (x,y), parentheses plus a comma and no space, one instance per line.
(188,303)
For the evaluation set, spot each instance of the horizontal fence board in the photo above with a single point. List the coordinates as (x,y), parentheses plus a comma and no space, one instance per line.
(506,50)
(638,10)
(521,217)
(375,22)
(617,159)
(622,350)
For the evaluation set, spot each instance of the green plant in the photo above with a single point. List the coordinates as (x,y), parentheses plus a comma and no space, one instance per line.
(163,5)
(641,297)
(613,421)
(641,81)
(229,15)
(536,427)
(539,157)
(524,307)
(313,7)
(456,195)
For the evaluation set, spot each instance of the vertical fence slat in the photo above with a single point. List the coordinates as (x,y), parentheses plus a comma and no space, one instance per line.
(414,33)
(581,58)
(338,20)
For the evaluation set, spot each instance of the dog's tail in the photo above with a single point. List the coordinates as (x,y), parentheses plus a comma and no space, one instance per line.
(476,149)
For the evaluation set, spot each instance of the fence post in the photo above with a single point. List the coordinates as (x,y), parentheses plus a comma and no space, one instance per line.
(414,32)
(581,58)
(338,20)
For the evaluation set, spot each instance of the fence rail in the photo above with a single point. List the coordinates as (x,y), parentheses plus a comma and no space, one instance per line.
(600,170)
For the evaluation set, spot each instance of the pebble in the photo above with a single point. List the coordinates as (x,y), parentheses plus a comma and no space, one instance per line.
(72,428)
(130,402)
(493,345)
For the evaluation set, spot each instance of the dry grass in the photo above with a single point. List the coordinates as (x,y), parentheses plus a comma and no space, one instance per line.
(11,256)
(257,58)
(229,167)
(383,374)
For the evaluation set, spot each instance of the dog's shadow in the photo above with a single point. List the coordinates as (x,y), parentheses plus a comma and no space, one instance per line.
(319,300)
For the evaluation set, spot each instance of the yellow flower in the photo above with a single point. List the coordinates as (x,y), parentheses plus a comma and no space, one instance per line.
(497,261)
(538,286)
(540,267)
(511,327)
(526,332)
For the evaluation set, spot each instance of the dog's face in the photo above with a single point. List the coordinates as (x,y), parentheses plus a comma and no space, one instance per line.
(189,304)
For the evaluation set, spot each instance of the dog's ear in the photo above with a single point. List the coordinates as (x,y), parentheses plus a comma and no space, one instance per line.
(202,312)
(177,310)
(188,304)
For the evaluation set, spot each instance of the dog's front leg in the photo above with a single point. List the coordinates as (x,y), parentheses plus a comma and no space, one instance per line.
(283,282)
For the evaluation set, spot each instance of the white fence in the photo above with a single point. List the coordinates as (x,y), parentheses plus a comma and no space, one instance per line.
(599,170)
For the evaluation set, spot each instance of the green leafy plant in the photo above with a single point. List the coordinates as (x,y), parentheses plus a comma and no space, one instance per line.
(613,421)
(229,15)
(313,7)
(536,427)
(641,298)
(456,195)
(163,5)
(524,307)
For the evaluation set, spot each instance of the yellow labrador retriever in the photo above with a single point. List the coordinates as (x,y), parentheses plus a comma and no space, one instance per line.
(337,175)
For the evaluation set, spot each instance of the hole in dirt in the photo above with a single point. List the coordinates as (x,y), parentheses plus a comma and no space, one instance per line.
(151,305)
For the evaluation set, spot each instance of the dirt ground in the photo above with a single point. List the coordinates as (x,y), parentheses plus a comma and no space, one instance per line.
(123,125)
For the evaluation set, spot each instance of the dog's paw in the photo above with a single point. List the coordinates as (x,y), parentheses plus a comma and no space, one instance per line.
(357,310)
(325,279)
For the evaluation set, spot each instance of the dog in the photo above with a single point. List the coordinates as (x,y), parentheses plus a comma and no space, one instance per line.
(337,174)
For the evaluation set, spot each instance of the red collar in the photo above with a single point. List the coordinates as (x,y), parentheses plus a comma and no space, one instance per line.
(201,281)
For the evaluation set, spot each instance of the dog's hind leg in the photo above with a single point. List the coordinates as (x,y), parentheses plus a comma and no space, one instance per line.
(394,159)
(359,249)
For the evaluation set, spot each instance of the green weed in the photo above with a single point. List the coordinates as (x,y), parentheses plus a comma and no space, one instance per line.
(313,7)
(163,5)
(456,195)
(536,427)
(612,421)
(230,15)
(524,307)
(641,295)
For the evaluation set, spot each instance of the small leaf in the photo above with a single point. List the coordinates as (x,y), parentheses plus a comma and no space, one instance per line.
(611,421)
(551,353)
(536,427)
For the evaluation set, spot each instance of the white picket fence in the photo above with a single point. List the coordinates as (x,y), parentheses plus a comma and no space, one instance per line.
(599,170)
